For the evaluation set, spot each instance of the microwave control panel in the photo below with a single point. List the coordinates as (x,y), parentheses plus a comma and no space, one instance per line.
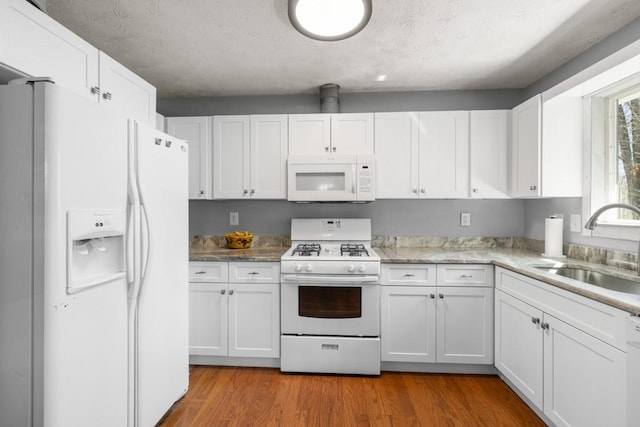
(366,180)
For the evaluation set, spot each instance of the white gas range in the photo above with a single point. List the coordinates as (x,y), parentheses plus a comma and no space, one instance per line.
(330,298)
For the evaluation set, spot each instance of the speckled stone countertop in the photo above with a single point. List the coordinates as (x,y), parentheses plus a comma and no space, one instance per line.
(259,254)
(523,262)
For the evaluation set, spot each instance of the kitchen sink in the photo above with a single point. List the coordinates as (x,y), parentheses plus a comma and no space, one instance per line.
(596,278)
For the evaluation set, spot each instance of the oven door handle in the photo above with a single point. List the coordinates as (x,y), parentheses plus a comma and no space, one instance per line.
(316,278)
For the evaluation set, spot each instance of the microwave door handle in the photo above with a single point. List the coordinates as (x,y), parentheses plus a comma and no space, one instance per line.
(353,179)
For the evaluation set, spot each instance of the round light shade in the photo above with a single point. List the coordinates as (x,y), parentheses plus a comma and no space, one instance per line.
(329,19)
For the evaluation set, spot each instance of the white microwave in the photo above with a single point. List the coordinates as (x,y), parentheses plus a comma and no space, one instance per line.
(334,178)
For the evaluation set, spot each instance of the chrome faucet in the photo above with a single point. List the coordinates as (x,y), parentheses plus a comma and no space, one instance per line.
(593,221)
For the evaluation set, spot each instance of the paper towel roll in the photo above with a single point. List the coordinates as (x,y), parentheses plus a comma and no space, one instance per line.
(553,237)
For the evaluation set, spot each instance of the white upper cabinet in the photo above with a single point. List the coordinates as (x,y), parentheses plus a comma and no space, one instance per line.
(488,162)
(249,157)
(547,148)
(197,132)
(396,144)
(526,142)
(122,89)
(422,155)
(313,134)
(36,45)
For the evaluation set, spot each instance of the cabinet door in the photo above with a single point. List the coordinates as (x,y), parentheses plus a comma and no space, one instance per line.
(408,323)
(208,317)
(269,150)
(444,154)
(519,345)
(352,133)
(34,44)
(397,158)
(231,145)
(526,143)
(126,91)
(309,134)
(465,325)
(197,133)
(488,134)
(254,320)
(584,378)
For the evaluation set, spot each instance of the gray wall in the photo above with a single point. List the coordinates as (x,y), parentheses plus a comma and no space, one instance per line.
(495,218)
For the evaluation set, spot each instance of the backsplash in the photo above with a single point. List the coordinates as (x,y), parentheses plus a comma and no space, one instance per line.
(447,242)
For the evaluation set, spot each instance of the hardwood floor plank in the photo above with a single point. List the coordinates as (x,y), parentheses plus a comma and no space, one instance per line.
(229,396)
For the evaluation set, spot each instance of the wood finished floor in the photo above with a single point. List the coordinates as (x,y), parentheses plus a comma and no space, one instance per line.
(229,396)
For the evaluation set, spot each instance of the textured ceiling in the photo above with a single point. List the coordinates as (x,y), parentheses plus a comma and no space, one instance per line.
(190,48)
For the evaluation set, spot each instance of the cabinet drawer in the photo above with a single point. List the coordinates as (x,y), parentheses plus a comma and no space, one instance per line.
(408,274)
(599,320)
(465,275)
(208,272)
(254,272)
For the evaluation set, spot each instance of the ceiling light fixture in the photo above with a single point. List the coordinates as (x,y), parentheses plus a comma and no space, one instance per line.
(329,20)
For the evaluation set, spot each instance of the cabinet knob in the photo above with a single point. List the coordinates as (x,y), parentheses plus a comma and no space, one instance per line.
(201,192)
(253,191)
(95,90)
(441,296)
(334,149)
(544,325)
(415,190)
(432,296)
(230,291)
(533,187)
(245,192)
(475,190)
(422,190)
(326,149)
(107,96)
(535,320)
(222,291)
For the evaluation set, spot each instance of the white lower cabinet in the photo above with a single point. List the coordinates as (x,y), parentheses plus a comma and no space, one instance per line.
(574,378)
(424,321)
(233,315)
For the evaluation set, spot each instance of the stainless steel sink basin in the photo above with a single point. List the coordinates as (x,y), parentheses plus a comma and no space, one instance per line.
(597,279)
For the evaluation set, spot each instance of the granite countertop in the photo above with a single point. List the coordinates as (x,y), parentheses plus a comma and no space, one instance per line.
(523,262)
(258,254)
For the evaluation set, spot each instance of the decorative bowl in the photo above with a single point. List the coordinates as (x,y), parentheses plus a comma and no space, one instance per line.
(239,240)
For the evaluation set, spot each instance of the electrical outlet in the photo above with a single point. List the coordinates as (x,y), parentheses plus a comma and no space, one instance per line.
(465,219)
(234,218)
(576,223)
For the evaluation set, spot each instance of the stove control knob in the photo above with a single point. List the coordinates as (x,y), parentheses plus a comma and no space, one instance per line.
(298,268)
(351,268)
(308,267)
(361,268)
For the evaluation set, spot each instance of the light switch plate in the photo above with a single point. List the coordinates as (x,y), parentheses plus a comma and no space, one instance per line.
(576,223)
(234,218)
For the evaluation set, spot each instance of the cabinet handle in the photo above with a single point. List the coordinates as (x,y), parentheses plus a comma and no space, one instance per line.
(422,190)
(334,149)
(533,187)
(326,149)
(253,191)
(544,325)
(475,190)
(201,192)
(201,272)
(158,141)
(409,275)
(253,273)
(466,276)
(535,320)
(432,296)
(245,192)
(107,96)
(95,90)
(230,291)
(222,291)
(415,190)
(441,296)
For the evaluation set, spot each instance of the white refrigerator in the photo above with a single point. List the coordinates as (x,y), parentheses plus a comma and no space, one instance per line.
(93,263)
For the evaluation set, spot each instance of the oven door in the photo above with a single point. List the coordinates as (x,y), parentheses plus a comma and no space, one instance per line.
(338,308)
(321,182)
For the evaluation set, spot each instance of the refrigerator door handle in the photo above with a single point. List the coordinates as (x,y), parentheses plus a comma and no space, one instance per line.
(146,241)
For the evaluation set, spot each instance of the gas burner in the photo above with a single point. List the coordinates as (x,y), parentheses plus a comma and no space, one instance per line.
(307,249)
(353,249)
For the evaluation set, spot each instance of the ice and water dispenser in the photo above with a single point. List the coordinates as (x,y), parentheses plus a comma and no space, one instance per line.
(96,248)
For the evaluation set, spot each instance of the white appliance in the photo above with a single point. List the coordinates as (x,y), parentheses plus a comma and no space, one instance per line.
(93,263)
(331,178)
(330,298)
